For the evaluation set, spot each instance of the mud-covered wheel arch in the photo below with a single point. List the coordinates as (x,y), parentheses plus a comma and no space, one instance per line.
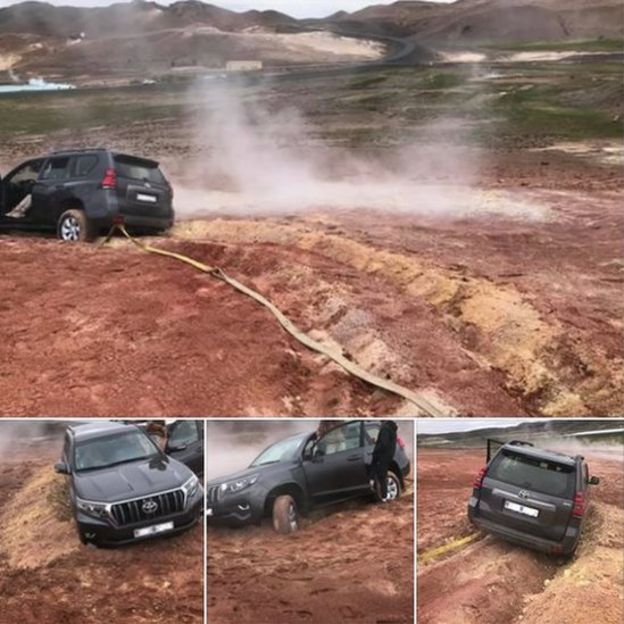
(394,476)
(73,224)
(278,503)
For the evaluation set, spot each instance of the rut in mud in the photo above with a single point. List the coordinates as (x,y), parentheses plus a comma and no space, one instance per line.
(491,581)
(352,564)
(47,576)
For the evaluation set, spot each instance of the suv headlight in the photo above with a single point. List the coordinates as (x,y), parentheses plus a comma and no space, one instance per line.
(190,487)
(91,508)
(231,487)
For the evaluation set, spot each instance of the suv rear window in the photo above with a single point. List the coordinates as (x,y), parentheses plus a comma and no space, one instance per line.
(533,474)
(137,169)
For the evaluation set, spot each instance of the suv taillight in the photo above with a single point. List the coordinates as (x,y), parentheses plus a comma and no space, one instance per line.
(400,442)
(478,482)
(578,511)
(109,181)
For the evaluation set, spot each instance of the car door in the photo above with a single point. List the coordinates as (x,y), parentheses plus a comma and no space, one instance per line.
(185,442)
(336,468)
(17,184)
(49,190)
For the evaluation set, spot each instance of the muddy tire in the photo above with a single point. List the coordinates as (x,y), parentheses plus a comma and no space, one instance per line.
(74,226)
(394,487)
(285,514)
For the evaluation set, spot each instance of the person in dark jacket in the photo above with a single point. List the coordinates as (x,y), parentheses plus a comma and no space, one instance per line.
(383,454)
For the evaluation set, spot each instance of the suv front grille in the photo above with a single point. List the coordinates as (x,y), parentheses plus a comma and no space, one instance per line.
(141,509)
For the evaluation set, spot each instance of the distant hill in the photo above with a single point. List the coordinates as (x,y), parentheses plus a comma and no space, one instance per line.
(43,19)
(523,431)
(468,22)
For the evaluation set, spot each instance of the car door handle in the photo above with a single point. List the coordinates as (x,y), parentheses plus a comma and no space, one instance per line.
(354,458)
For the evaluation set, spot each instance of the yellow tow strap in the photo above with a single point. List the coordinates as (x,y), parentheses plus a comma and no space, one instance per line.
(421,402)
(433,553)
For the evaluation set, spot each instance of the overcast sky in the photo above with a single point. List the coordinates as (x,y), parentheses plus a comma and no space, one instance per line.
(296,8)
(466,424)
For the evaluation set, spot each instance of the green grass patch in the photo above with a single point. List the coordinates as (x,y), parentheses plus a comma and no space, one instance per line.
(580,45)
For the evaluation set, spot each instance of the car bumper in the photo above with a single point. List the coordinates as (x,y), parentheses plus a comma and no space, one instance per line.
(237,509)
(104,533)
(564,547)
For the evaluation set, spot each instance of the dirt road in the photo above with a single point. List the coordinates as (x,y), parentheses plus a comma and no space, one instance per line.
(355,564)
(48,577)
(490,581)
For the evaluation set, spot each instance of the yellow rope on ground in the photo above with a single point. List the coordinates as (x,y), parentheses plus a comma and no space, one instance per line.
(433,553)
(426,406)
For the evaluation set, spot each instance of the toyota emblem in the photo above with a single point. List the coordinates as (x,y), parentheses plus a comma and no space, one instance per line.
(149,506)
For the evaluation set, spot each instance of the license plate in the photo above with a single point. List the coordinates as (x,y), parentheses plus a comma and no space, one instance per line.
(209,511)
(527,511)
(146,198)
(154,529)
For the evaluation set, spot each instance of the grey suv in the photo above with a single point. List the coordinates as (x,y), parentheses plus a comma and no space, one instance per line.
(301,472)
(123,487)
(531,496)
(79,193)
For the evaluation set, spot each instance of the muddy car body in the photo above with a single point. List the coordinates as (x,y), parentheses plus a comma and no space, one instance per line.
(123,488)
(79,193)
(532,497)
(299,473)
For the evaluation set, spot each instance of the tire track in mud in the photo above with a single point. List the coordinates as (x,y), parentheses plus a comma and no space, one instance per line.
(340,567)
(492,581)
(495,324)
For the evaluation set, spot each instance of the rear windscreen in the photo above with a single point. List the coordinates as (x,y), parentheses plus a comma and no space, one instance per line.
(136,169)
(533,474)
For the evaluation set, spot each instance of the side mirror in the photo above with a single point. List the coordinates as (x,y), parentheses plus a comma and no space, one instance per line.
(172,448)
(62,468)
(594,481)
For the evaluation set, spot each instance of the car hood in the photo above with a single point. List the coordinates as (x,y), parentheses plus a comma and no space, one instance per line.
(131,480)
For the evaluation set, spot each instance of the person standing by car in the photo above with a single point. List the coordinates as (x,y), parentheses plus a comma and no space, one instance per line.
(383,453)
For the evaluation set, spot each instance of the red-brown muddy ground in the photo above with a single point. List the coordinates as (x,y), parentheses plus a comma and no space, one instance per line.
(354,564)
(491,314)
(48,577)
(490,581)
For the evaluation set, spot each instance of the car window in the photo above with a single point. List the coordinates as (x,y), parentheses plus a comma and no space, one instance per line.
(56,169)
(343,438)
(280,451)
(371,433)
(184,432)
(85,165)
(27,173)
(533,473)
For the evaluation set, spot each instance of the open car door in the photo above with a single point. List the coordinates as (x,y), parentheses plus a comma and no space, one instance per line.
(185,442)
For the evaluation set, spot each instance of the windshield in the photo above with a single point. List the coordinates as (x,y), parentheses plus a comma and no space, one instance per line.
(114,449)
(280,451)
(533,474)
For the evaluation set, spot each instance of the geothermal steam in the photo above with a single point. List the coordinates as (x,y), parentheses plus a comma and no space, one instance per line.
(256,159)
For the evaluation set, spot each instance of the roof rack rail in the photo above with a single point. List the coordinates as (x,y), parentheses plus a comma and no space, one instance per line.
(78,149)
(520,443)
